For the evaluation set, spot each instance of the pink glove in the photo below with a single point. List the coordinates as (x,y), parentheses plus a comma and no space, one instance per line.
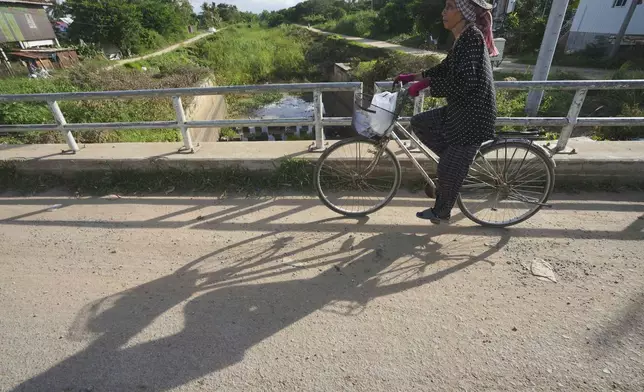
(415,88)
(405,78)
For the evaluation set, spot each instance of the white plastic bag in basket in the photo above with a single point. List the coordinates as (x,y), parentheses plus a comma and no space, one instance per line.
(361,123)
(385,105)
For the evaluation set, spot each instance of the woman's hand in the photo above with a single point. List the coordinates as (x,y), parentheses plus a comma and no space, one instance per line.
(415,88)
(406,78)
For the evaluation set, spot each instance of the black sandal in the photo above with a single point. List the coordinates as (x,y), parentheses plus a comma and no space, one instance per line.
(429,214)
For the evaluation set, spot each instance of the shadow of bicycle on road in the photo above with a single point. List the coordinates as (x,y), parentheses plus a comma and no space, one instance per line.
(229,307)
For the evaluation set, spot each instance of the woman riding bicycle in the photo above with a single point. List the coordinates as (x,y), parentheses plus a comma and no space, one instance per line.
(456,131)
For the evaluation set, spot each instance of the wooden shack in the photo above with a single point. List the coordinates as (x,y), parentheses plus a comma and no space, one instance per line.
(48,58)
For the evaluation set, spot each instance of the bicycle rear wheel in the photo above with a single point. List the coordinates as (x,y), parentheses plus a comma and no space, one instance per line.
(358,176)
(509,181)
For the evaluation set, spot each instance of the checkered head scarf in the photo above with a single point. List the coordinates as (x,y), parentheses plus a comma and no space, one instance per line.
(483,20)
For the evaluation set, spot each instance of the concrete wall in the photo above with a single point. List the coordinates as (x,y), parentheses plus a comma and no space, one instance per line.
(206,107)
(339,104)
(600,17)
(597,18)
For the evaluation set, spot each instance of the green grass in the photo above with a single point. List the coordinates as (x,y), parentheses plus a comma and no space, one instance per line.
(359,24)
(90,111)
(588,61)
(243,55)
(240,55)
(598,103)
(409,40)
(165,42)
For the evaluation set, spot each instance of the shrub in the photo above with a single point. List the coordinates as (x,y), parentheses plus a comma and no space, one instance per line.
(359,24)
(390,66)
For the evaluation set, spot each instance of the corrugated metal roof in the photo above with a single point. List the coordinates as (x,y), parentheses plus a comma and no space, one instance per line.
(22,22)
(36,2)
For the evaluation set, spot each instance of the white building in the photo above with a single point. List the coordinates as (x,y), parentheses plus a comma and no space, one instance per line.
(602,18)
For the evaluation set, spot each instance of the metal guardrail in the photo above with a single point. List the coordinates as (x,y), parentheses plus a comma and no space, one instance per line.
(568,123)
(318,120)
(572,120)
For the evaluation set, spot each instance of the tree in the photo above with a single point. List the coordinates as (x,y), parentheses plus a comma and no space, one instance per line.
(428,18)
(524,28)
(162,17)
(209,16)
(228,13)
(113,21)
(396,17)
(132,25)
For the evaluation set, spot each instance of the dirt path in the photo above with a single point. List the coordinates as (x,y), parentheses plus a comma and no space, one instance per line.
(508,65)
(162,51)
(381,44)
(279,294)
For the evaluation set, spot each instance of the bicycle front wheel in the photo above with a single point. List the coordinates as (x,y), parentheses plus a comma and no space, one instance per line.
(358,176)
(508,182)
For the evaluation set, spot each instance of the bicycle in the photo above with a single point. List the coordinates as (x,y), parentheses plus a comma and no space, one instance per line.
(508,172)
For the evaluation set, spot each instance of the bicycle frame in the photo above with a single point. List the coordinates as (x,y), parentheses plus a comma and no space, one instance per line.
(420,145)
(483,175)
(427,152)
(392,135)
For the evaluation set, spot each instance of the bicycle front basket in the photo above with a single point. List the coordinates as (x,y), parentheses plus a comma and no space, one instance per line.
(371,120)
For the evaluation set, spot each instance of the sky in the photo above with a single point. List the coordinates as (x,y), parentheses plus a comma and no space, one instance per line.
(255,6)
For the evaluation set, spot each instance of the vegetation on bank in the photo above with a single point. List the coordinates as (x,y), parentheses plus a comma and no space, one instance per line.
(592,57)
(511,103)
(249,54)
(244,54)
(412,22)
(140,26)
(241,54)
(598,103)
(112,110)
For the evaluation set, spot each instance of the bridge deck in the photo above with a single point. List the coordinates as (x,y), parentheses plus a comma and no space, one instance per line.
(616,160)
(278,294)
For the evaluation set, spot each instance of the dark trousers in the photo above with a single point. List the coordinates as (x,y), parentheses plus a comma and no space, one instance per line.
(454,161)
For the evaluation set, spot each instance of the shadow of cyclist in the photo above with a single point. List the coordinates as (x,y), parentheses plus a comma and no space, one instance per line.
(226,318)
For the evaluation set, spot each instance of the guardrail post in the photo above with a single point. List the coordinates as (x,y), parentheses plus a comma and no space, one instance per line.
(181,121)
(318,107)
(573,114)
(60,120)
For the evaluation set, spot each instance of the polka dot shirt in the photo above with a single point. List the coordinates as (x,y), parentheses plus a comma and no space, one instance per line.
(465,79)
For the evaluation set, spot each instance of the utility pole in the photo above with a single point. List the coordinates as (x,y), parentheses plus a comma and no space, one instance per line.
(622,30)
(546,53)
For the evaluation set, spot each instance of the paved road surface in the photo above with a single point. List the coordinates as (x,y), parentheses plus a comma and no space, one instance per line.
(279,294)
(508,65)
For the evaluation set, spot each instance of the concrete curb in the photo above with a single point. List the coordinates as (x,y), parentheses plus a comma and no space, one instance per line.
(618,162)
